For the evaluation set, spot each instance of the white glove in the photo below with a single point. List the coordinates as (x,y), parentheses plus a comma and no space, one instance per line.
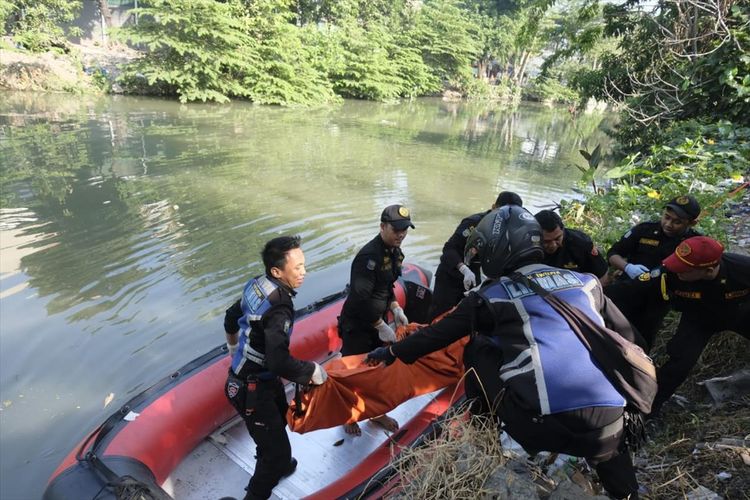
(232,348)
(399,317)
(470,279)
(385,332)
(319,375)
(635,270)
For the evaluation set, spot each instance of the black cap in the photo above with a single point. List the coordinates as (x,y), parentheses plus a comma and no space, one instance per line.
(397,216)
(686,207)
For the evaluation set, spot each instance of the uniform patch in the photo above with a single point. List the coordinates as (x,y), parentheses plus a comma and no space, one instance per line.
(371,265)
(287,324)
(649,241)
(467,231)
(526,216)
(688,295)
(627,235)
(232,389)
(737,293)
(549,280)
(403,211)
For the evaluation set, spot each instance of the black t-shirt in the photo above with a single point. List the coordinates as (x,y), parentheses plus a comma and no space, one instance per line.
(578,253)
(374,271)
(647,244)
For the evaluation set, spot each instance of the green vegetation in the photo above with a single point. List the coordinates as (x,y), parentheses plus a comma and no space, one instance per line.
(690,158)
(35,24)
(283,52)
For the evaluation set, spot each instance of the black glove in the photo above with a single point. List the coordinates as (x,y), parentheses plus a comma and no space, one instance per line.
(381,354)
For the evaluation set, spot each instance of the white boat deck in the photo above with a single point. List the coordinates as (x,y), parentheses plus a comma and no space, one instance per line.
(222,465)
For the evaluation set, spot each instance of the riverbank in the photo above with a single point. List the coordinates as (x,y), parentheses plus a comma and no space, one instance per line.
(85,67)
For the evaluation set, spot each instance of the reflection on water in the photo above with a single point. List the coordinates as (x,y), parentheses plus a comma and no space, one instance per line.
(128,225)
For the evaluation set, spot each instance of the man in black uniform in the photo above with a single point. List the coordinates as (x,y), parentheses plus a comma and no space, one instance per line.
(569,248)
(644,247)
(712,290)
(519,359)
(376,267)
(641,250)
(453,278)
(258,327)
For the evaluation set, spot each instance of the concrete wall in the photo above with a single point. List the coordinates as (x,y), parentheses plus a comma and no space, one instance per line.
(89,19)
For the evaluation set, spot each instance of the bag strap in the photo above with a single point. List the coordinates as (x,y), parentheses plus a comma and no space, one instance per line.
(572,314)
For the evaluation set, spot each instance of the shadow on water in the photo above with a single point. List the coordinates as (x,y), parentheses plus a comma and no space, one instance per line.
(129,225)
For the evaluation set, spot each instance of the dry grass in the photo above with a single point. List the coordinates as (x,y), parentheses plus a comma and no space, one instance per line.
(456,464)
(676,460)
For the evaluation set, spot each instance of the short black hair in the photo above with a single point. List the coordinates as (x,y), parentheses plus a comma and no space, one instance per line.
(549,220)
(274,253)
(508,198)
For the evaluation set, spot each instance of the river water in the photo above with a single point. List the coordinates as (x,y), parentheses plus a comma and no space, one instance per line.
(128,225)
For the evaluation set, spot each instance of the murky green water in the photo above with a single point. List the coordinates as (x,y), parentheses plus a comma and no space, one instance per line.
(129,225)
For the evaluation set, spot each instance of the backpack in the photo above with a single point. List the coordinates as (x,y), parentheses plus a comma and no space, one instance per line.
(624,363)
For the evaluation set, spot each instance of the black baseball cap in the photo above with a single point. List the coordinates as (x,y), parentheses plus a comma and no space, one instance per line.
(686,207)
(397,216)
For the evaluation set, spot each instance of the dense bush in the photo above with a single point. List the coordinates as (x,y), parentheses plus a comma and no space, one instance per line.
(705,160)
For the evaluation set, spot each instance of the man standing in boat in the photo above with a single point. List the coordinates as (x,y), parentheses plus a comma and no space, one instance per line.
(258,327)
(453,278)
(525,365)
(376,267)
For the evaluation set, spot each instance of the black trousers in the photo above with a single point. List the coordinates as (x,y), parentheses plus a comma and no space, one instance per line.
(637,302)
(262,405)
(595,433)
(447,293)
(685,347)
(357,337)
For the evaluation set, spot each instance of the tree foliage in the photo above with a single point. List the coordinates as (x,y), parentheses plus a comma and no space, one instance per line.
(676,60)
(35,24)
(197,50)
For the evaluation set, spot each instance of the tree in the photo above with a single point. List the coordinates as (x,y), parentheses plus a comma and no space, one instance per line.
(197,50)
(35,24)
(679,60)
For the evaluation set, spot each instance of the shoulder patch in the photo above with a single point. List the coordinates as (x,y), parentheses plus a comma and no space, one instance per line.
(287,324)
(627,235)
(371,264)
(467,231)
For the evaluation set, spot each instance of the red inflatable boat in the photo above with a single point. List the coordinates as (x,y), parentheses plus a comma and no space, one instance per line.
(181,439)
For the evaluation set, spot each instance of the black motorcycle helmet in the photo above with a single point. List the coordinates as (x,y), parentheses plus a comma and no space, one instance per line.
(504,240)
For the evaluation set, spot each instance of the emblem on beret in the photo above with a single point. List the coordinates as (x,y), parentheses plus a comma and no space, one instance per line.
(683,249)
(644,277)
(682,200)
(403,211)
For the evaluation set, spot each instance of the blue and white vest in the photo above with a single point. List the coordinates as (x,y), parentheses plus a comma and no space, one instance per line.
(256,301)
(544,362)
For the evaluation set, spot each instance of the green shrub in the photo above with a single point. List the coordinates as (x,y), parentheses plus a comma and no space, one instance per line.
(705,160)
